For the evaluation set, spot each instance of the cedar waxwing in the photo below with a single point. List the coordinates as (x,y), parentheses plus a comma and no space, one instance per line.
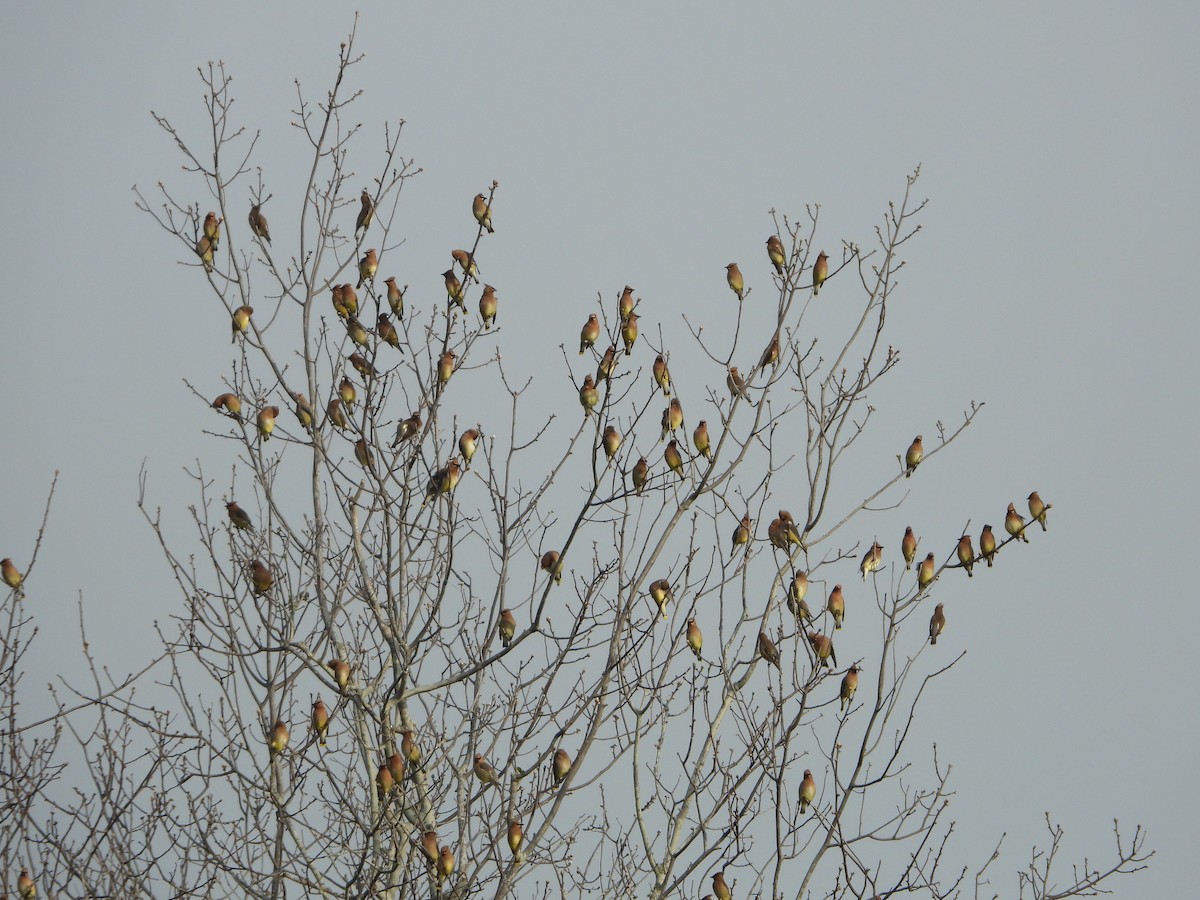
(407,428)
(204,250)
(365,214)
(488,305)
(443,481)
(387,331)
(767,649)
(820,272)
(1014,524)
(240,321)
(611,441)
(357,333)
(588,395)
(345,300)
(912,458)
(641,472)
(363,454)
(808,791)
(608,364)
(720,888)
(341,673)
(231,403)
(836,606)
(589,334)
(662,375)
(484,770)
(937,623)
(1037,509)
(258,223)
(26,889)
(782,531)
(483,213)
(455,293)
(797,589)
(849,686)
(625,304)
(304,411)
(395,767)
(395,297)
(467,444)
(822,646)
(871,561)
(467,262)
(674,458)
(445,865)
(695,639)
(672,419)
(212,230)
(384,780)
(908,547)
(362,365)
(515,836)
(266,421)
(336,415)
(320,720)
(771,354)
(11,574)
(429,847)
(733,275)
(238,516)
(661,592)
(561,765)
(926,572)
(507,626)
(741,534)
(260,577)
(347,392)
(735,383)
(775,253)
(367,267)
(279,737)
(629,332)
(446,366)
(552,563)
(987,544)
(966,554)
(409,747)
(700,440)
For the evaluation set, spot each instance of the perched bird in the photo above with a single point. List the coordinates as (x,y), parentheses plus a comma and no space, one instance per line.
(661,592)
(395,767)
(467,262)
(357,333)
(639,474)
(912,458)
(507,626)
(1037,509)
(588,395)
(836,604)
(467,444)
(483,213)
(304,410)
(662,375)
(407,428)
(849,686)
(367,267)
(775,253)
(258,223)
(608,364)
(674,458)
(783,532)
(987,544)
(387,331)
(409,747)
(797,589)
(695,639)
(629,332)
(552,563)
(733,275)
(429,847)
(204,250)
(10,573)
(966,554)
(320,720)
(589,334)
(488,305)
(385,782)
(808,791)
(741,534)
(1014,524)
(260,577)
(561,766)
(395,297)
(735,383)
(611,441)
(345,300)
(341,673)
(239,323)
(364,456)
(231,403)
(767,649)
(443,481)
(771,354)
(908,547)
(484,770)
(26,889)
(446,366)
(720,888)
(625,304)
(937,623)
(266,421)
(445,865)
(515,836)
(700,440)
(362,365)
(336,415)
(212,230)
(365,213)
(672,419)
(871,560)
(279,737)
(820,272)
(926,572)
(822,646)
(347,391)
(238,516)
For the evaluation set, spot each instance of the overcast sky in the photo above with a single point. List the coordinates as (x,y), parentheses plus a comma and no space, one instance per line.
(646,146)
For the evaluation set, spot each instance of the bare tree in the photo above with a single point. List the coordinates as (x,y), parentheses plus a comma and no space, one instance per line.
(420,653)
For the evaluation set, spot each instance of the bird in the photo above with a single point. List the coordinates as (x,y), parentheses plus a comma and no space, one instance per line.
(454,290)
(279,737)
(467,262)
(446,366)
(629,332)
(782,531)
(966,554)
(266,421)
(808,791)
(797,589)
(908,547)
(741,534)
(767,649)
(409,747)
(836,604)
(304,411)
(820,272)
(345,300)
(552,563)
(367,267)
(407,428)
(700,440)
(1014,524)
(347,392)
(362,366)
(608,364)
(733,275)
(429,847)
(987,544)
(589,334)
(467,444)
(341,673)
(258,223)
(395,767)
(771,354)
(1037,509)
(611,441)
(231,403)
(516,835)
(26,889)
(11,574)
(937,623)
(484,770)
(239,322)
(912,458)
(445,865)
(695,639)
(357,333)
(483,213)
(385,782)
(320,720)
(204,250)
(871,561)
(926,572)
(387,331)
(735,383)
(212,230)
(561,765)
(660,590)
(672,419)
(662,375)
(625,304)
(260,577)
(336,414)
(639,474)
(822,646)
(588,395)
(365,214)
(238,516)
(720,888)
(674,458)
(507,626)
(395,297)
(364,456)
(443,481)
(775,253)
(487,306)
(849,686)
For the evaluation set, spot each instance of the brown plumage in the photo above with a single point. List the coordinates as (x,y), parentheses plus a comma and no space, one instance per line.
(775,253)
(443,481)
(695,638)
(387,331)
(239,322)
(385,782)
(258,223)
(445,864)
(347,391)
(735,383)
(204,250)
(467,444)
(836,604)
(482,212)
(588,395)
(26,889)
(625,304)
(265,420)
(395,297)
(822,646)
(589,334)
(341,673)
(230,403)
(320,720)
(908,547)
(741,534)
(507,626)
(455,293)
(849,686)
(700,440)
(771,354)
(516,835)
(11,574)
(808,791)
(660,591)
(260,577)
(446,366)
(966,554)
(407,429)
(672,419)
(304,410)
(278,739)
(797,589)
(871,560)
(484,770)
(674,458)
(239,517)
(1014,524)
(767,649)
(607,365)
(366,213)
(429,847)
(913,457)
(561,765)
(987,544)
(720,888)
(466,262)
(662,375)
(640,474)
(733,275)
(926,572)
(937,623)
(629,332)
(336,415)
(488,304)
(362,365)
(552,562)
(367,267)
(820,272)
(1037,509)
(611,441)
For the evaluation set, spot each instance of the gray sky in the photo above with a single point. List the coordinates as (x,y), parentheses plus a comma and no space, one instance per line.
(1057,147)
